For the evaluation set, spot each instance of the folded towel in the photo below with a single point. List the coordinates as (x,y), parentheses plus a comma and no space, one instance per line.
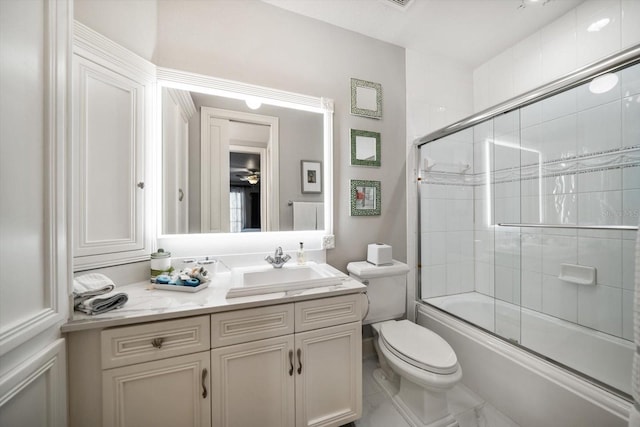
(92,294)
(102,304)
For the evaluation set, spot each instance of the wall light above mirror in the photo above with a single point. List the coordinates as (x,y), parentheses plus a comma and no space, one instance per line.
(229,168)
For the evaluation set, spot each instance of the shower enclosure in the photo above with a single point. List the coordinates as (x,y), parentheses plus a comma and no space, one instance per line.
(528,219)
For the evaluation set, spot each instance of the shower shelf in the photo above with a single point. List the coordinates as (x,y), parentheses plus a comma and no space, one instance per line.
(568,226)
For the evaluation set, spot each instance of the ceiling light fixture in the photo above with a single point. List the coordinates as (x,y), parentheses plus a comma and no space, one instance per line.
(253,179)
(598,25)
(253,103)
(603,83)
(523,3)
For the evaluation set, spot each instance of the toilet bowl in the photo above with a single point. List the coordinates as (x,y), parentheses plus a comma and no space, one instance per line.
(418,367)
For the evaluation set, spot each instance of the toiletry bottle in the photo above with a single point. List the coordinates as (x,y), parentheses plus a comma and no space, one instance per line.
(301,257)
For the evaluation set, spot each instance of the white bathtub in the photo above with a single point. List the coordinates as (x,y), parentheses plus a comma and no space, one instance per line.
(601,356)
(530,390)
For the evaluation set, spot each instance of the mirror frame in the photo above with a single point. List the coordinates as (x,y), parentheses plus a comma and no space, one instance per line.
(235,243)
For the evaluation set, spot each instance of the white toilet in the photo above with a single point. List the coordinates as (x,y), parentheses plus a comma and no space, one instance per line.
(418,366)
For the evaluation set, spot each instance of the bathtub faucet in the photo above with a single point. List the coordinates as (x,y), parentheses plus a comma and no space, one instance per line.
(278,260)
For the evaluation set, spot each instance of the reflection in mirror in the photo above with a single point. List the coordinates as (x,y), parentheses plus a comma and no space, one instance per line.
(230,168)
(365,148)
(365,198)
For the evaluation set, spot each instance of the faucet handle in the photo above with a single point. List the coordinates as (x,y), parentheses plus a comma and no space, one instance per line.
(279,251)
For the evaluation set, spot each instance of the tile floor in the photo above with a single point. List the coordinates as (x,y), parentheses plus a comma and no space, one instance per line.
(468,408)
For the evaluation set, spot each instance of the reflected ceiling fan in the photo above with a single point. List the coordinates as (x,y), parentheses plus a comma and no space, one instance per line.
(252,176)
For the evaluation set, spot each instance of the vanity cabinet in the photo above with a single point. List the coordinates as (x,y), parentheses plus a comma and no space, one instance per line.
(293,364)
(157,374)
(311,375)
(112,99)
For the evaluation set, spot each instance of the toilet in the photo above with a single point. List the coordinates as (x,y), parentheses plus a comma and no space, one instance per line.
(417,366)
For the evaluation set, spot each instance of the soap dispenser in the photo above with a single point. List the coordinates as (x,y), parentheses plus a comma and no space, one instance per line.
(301,257)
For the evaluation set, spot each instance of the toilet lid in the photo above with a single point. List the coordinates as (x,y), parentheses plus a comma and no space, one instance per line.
(419,347)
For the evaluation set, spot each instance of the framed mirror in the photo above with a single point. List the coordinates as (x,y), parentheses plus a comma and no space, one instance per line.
(231,153)
(365,148)
(365,198)
(366,98)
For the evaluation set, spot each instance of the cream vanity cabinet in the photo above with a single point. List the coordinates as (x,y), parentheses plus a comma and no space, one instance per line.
(295,364)
(112,94)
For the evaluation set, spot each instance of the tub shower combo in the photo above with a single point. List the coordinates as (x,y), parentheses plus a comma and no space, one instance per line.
(528,214)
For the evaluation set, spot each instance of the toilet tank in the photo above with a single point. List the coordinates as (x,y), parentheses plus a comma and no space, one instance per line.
(386,288)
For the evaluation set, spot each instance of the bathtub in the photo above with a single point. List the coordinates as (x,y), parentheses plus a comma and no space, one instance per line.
(503,373)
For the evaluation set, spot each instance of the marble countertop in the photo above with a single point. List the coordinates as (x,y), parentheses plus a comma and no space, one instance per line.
(147,304)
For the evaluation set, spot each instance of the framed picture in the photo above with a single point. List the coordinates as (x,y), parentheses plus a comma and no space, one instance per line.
(365,198)
(366,99)
(311,174)
(365,148)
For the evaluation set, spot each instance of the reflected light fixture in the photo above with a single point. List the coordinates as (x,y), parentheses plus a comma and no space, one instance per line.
(603,83)
(253,103)
(253,179)
(598,25)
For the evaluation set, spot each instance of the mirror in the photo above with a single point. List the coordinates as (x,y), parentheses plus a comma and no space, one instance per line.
(365,198)
(365,148)
(230,168)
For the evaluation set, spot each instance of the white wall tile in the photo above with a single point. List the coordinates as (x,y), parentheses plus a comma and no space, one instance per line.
(507,210)
(434,214)
(630,19)
(434,281)
(557,250)
(531,253)
(532,290)
(501,77)
(433,248)
(599,129)
(587,99)
(561,184)
(559,299)
(630,123)
(630,80)
(531,115)
(603,180)
(627,315)
(600,307)
(504,283)
(593,45)
(454,279)
(630,207)
(531,209)
(559,105)
(605,255)
(484,278)
(560,209)
(527,63)
(599,208)
(628,264)
(559,47)
(558,138)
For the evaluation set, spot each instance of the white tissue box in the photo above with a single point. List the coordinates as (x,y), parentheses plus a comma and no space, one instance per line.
(379,254)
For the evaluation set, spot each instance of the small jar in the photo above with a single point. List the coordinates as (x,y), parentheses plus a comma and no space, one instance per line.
(160,264)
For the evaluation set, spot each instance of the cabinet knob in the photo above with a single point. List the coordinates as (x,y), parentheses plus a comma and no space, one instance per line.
(157,342)
(180,194)
(141,185)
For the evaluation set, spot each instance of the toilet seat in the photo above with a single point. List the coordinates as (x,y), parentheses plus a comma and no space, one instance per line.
(419,347)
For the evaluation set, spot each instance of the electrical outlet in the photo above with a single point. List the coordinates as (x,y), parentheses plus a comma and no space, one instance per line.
(328,241)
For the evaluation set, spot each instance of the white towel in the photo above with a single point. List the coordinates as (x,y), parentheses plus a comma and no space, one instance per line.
(304,216)
(319,216)
(92,294)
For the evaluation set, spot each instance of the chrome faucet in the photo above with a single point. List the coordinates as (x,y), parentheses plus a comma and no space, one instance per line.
(277,260)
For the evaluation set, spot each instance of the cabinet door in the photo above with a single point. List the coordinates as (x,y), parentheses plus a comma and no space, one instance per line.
(329,383)
(165,393)
(254,384)
(112,107)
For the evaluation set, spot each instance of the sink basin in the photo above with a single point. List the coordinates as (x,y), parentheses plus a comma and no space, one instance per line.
(266,279)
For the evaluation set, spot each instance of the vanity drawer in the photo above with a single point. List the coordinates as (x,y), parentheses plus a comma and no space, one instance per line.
(320,313)
(240,326)
(154,341)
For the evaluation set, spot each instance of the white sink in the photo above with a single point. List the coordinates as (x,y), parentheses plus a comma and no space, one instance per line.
(266,279)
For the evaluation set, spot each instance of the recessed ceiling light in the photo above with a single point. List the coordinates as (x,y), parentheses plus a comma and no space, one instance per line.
(603,83)
(598,25)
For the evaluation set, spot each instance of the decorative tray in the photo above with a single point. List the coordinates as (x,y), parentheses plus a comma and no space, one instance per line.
(181,288)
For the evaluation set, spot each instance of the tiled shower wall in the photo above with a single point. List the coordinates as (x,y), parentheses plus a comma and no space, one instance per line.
(573,159)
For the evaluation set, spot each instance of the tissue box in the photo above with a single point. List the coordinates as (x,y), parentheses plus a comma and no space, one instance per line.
(379,254)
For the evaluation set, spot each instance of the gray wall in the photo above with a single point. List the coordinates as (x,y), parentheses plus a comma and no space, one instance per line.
(253,42)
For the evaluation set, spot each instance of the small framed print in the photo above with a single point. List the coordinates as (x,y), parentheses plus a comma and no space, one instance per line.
(366,98)
(365,148)
(311,174)
(365,198)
